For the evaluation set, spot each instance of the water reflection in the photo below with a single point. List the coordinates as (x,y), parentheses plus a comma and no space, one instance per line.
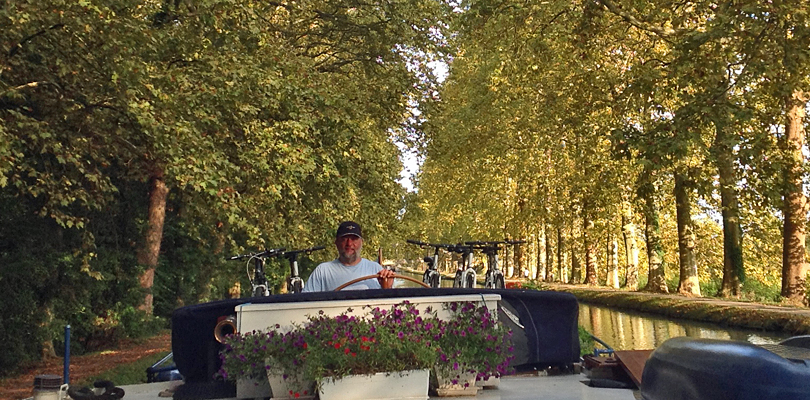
(625,330)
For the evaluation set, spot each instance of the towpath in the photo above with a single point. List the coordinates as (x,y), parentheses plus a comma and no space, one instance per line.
(83,367)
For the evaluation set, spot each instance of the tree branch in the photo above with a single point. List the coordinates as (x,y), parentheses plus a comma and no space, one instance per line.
(664,32)
(14,49)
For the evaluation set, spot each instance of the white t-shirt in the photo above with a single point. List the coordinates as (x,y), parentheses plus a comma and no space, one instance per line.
(329,275)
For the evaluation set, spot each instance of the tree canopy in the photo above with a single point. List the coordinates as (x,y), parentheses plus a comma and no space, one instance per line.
(142,142)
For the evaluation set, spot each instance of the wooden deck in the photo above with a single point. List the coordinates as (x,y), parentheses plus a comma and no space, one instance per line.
(632,361)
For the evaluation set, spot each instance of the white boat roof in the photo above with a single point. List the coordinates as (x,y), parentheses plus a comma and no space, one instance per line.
(558,387)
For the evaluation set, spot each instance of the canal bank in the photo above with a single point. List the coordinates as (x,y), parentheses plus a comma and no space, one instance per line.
(738,314)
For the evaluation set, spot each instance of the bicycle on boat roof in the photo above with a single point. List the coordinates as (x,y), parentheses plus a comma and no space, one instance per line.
(258,279)
(431,277)
(493,278)
(465,273)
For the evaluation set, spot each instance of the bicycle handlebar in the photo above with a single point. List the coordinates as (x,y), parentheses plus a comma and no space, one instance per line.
(460,248)
(467,246)
(279,252)
(436,245)
(271,253)
(263,254)
(494,242)
(492,246)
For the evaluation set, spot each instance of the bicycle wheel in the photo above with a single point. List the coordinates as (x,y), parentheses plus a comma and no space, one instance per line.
(297,287)
(499,284)
(489,282)
(457,282)
(435,280)
(469,281)
(426,277)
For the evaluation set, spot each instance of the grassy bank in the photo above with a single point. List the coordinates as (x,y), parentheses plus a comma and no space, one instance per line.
(795,321)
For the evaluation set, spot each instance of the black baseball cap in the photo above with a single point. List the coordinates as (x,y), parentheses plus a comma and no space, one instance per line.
(349,228)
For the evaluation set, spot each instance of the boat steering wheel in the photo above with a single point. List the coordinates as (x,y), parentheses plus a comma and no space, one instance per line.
(362,278)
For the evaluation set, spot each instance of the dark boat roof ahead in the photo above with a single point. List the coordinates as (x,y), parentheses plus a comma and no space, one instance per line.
(688,368)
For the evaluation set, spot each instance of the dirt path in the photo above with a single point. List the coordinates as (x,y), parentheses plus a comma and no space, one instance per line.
(85,366)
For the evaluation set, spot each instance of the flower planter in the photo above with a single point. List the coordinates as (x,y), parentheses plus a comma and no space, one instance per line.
(403,337)
(288,388)
(385,385)
(260,316)
(252,388)
(462,384)
(491,382)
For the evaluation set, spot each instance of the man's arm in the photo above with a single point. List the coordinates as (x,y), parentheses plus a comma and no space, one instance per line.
(314,282)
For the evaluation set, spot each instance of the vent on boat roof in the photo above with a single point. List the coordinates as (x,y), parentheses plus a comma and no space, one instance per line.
(47,382)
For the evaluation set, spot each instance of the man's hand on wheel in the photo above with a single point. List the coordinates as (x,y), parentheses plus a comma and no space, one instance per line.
(386,278)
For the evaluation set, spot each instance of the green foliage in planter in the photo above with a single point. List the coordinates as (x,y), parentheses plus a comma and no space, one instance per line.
(473,341)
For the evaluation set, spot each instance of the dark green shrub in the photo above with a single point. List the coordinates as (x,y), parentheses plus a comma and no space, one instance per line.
(586,342)
(710,288)
(755,290)
(22,334)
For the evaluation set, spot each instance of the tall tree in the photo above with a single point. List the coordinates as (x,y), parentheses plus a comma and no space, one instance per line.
(612,263)
(656,276)
(688,282)
(794,263)
(630,249)
(733,270)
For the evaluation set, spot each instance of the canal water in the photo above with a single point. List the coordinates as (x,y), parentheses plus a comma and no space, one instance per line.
(627,330)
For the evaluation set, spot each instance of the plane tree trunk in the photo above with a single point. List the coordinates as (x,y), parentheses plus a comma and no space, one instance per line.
(794,265)
(148,253)
(688,283)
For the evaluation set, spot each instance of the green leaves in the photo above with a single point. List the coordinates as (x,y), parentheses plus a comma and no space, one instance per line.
(270,122)
(556,111)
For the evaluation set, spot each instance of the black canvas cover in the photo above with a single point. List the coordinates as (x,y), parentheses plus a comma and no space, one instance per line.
(544,325)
